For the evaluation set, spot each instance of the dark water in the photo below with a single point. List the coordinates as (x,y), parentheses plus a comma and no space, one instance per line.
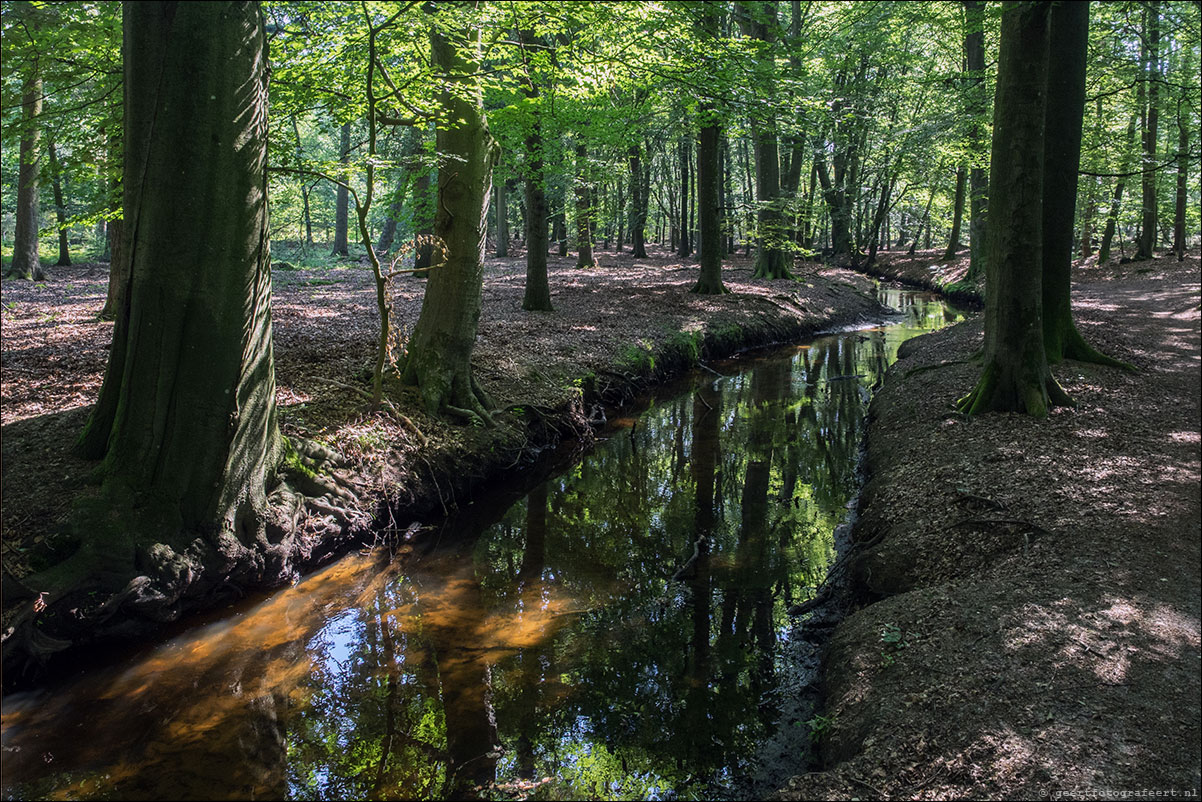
(617,632)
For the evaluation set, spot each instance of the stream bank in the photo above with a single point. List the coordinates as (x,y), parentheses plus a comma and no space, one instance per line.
(1028,591)
(615,329)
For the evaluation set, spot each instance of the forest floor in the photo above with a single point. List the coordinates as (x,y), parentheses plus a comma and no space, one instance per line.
(615,328)
(1029,593)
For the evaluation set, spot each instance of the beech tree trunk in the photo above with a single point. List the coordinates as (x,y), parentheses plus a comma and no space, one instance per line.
(709,174)
(1151,38)
(1182,173)
(685,248)
(26,264)
(60,209)
(342,209)
(953,241)
(1116,201)
(440,350)
(978,179)
(1062,157)
(584,210)
(638,206)
(502,221)
(1015,376)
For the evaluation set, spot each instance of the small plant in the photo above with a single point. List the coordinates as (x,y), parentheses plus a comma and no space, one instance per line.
(893,640)
(820,726)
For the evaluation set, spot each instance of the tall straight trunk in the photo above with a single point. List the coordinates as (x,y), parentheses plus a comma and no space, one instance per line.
(1015,375)
(342,210)
(770,256)
(925,222)
(686,248)
(953,242)
(1087,218)
(1182,174)
(60,209)
(978,179)
(1116,201)
(748,197)
(584,210)
(116,302)
(440,350)
(306,215)
(186,418)
(395,206)
(620,216)
(538,292)
(836,203)
(1062,156)
(807,214)
(560,229)
(502,220)
(638,205)
(728,195)
(1147,237)
(709,174)
(26,263)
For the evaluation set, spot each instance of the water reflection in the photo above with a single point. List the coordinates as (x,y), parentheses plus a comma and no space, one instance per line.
(619,632)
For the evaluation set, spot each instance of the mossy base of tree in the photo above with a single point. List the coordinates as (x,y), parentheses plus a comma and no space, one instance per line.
(999,390)
(703,287)
(1073,346)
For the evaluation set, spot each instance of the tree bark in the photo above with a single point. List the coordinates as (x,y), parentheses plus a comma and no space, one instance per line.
(1147,236)
(342,209)
(770,256)
(186,419)
(1182,174)
(584,210)
(537,297)
(638,205)
(953,241)
(502,221)
(1062,156)
(60,209)
(26,264)
(1015,376)
(440,351)
(709,174)
(1115,202)
(685,248)
(978,179)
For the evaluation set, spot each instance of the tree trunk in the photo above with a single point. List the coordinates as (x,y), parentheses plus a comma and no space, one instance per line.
(953,242)
(26,263)
(638,205)
(1182,174)
(186,419)
(770,256)
(538,291)
(423,221)
(306,216)
(1147,236)
(342,210)
(1115,202)
(709,174)
(116,301)
(978,179)
(584,210)
(440,351)
(836,204)
(60,209)
(686,249)
(1062,157)
(502,221)
(1015,376)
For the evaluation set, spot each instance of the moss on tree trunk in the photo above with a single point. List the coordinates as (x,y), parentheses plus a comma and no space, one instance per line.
(440,351)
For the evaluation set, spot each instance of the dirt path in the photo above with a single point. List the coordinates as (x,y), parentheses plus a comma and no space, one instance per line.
(1032,587)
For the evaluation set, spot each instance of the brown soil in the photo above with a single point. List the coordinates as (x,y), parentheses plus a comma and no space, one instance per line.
(613,328)
(1030,589)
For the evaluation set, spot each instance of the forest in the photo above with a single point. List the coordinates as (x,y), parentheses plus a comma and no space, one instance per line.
(610,400)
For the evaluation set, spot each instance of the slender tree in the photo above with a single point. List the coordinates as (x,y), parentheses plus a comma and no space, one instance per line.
(584,209)
(26,263)
(978,179)
(1151,120)
(342,207)
(709,176)
(60,208)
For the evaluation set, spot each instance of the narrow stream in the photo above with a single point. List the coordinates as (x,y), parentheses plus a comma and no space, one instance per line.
(619,631)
